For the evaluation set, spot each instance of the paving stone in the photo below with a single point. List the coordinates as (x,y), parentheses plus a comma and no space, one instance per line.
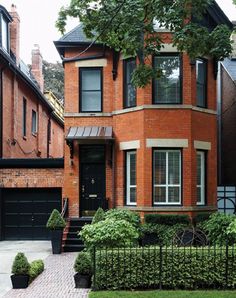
(55,281)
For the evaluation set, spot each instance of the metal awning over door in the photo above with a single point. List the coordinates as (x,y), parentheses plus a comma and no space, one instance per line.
(102,133)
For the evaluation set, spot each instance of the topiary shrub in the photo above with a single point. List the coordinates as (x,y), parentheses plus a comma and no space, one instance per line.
(110,233)
(36,267)
(167,219)
(83,263)
(98,216)
(55,221)
(217,226)
(123,214)
(20,265)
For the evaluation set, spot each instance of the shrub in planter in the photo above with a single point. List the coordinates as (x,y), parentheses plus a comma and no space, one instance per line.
(83,269)
(167,219)
(217,226)
(20,270)
(98,216)
(36,267)
(109,232)
(123,214)
(56,224)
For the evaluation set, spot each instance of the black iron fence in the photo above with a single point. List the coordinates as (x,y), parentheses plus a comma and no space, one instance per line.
(226,199)
(165,267)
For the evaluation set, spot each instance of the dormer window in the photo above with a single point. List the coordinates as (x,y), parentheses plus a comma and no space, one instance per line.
(4,34)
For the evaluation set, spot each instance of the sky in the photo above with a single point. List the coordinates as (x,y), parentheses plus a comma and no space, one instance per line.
(38,19)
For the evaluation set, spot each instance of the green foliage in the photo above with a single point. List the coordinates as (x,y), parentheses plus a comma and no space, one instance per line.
(54,78)
(36,267)
(98,216)
(164,233)
(201,217)
(167,219)
(83,263)
(216,228)
(127,27)
(231,230)
(56,221)
(123,214)
(182,268)
(20,264)
(109,232)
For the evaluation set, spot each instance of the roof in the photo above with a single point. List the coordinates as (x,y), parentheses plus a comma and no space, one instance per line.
(90,132)
(230,66)
(75,35)
(6,13)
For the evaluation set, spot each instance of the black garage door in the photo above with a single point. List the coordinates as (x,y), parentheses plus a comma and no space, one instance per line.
(26,211)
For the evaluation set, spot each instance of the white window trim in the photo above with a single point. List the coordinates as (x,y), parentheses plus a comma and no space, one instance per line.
(36,122)
(128,185)
(167,185)
(202,185)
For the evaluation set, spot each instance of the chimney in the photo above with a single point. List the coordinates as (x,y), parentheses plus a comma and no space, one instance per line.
(15,33)
(37,67)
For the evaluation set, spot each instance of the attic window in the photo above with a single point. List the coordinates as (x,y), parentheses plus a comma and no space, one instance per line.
(4,34)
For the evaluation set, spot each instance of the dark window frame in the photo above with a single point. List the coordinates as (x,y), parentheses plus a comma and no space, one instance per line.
(24,117)
(205,62)
(125,177)
(180,204)
(81,69)
(125,98)
(169,54)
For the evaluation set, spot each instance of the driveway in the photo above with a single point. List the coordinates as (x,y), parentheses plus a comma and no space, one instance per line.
(8,250)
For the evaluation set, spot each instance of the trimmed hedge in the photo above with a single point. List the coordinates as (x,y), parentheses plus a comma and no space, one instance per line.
(181,268)
(36,267)
(167,219)
(201,217)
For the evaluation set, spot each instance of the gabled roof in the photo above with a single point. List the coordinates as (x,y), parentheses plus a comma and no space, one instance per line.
(75,35)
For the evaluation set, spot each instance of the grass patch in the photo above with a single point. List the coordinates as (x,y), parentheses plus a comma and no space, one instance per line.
(163,294)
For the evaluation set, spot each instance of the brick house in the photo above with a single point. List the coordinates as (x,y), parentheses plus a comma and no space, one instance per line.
(147,150)
(31,140)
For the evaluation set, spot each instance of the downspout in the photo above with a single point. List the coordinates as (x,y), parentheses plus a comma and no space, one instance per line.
(113,176)
(219,123)
(48,136)
(1,112)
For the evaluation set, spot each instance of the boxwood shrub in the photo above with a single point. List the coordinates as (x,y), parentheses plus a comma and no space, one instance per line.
(181,268)
(36,267)
(167,219)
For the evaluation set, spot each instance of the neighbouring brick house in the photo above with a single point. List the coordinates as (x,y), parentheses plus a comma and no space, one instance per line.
(31,140)
(147,150)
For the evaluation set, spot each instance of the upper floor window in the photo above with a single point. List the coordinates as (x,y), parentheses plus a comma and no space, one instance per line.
(131,178)
(34,122)
(90,90)
(4,34)
(167,88)
(24,117)
(129,89)
(201,82)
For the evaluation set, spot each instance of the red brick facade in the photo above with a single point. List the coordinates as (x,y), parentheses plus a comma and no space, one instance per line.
(146,121)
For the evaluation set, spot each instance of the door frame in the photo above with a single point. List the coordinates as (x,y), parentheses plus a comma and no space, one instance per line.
(81,146)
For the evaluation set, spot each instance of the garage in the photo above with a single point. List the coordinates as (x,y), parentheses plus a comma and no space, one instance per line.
(25,212)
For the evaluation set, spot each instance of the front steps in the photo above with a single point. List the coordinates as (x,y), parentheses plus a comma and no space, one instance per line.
(71,240)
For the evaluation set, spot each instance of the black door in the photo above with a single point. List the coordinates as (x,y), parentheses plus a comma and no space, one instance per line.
(26,211)
(92,175)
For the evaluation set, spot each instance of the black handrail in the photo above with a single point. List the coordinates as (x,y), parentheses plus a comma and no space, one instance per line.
(65,208)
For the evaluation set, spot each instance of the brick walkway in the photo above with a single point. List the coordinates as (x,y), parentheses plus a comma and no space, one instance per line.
(55,281)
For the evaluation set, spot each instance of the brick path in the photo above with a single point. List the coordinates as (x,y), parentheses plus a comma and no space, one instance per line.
(55,281)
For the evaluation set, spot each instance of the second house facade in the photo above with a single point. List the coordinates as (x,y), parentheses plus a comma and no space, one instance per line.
(148,150)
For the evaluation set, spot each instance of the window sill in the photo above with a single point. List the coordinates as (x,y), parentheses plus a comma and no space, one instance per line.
(24,138)
(34,134)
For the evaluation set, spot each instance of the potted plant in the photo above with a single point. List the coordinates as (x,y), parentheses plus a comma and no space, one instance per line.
(83,269)
(20,270)
(56,224)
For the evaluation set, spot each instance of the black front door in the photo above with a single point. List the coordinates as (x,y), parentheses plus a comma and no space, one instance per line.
(92,179)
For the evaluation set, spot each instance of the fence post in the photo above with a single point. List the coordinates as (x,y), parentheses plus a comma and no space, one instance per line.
(94,268)
(160,268)
(226,263)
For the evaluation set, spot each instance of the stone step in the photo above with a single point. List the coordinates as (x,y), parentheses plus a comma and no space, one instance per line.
(73,248)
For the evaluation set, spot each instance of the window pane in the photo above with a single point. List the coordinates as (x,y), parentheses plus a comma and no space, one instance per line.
(4,35)
(159,194)
(131,177)
(91,101)
(130,90)
(198,169)
(91,80)
(173,194)
(199,194)
(132,169)
(159,167)
(34,122)
(133,195)
(167,87)
(173,167)
(201,82)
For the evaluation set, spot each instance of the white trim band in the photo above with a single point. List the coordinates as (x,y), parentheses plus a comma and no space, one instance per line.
(130,145)
(202,145)
(167,143)
(92,63)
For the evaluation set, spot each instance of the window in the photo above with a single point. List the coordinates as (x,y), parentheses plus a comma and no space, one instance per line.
(129,89)
(91,90)
(4,33)
(24,117)
(200,178)
(131,178)
(34,122)
(201,82)
(167,177)
(167,88)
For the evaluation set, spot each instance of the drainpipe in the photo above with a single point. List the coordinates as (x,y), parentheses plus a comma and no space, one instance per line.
(1,111)
(48,136)
(113,176)
(219,122)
